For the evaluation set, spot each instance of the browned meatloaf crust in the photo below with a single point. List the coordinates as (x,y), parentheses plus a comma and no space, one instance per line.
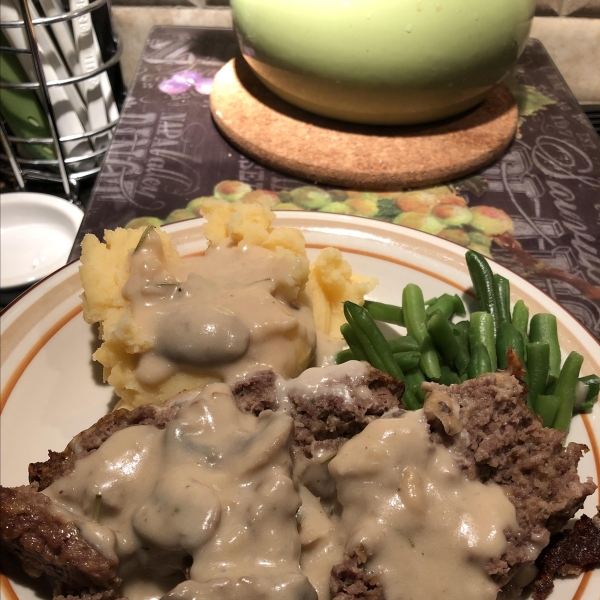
(568,553)
(504,442)
(46,542)
(507,444)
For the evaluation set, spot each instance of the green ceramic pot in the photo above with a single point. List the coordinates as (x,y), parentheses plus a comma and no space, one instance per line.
(382,61)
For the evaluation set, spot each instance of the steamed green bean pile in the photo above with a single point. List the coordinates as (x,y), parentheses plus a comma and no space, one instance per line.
(441,347)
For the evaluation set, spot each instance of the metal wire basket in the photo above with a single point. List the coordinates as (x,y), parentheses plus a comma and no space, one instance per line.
(62,169)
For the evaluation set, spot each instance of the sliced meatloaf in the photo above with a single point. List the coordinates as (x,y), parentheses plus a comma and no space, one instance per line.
(42,474)
(46,542)
(499,439)
(503,441)
(568,554)
(338,411)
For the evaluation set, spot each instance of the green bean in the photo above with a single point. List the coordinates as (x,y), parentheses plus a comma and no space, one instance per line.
(353,342)
(388,313)
(461,335)
(403,343)
(586,393)
(448,377)
(414,379)
(483,283)
(430,301)
(464,327)
(565,390)
(520,318)
(410,400)
(375,345)
(407,360)
(448,305)
(543,329)
(509,337)
(414,318)
(459,306)
(344,356)
(442,336)
(547,408)
(482,331)
(480,361)
(538,367)
(502,293)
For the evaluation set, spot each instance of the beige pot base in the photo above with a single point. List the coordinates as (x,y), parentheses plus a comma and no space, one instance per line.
(323,150)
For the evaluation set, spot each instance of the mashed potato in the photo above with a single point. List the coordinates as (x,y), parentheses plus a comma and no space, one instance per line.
(107,267)
(330,283)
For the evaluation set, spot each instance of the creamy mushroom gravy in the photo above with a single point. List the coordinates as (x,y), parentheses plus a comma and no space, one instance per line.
(228,493)
(233,311)
(429,531)
(215,485)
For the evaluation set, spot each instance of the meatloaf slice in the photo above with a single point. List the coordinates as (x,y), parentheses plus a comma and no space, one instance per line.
(61,592)
(500,440)
(46,542)
(339,415)
(503,441)
(350,581)
(42,474)
(340,409)
(568,553)
(256,393)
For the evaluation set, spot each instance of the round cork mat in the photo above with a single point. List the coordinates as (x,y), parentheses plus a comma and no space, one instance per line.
(318,149)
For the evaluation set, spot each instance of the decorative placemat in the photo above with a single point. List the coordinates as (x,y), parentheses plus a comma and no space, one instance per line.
(294,141)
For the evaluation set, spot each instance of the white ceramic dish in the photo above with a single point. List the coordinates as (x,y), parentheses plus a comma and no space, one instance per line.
(51,390)
(37,235)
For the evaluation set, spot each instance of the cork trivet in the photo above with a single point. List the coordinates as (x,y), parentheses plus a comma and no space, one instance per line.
(323,150)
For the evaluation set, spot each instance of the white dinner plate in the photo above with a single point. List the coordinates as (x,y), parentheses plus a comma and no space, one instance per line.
(51,390)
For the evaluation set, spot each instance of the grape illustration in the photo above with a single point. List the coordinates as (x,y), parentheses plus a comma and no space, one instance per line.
(364,205)
(456,235)
(264,197)
(417,202)
(286,206)
(231,190)
(340,208)
(310,197)
(420,221)
(180,214)
(452,214)
(143,222)
(491,221)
